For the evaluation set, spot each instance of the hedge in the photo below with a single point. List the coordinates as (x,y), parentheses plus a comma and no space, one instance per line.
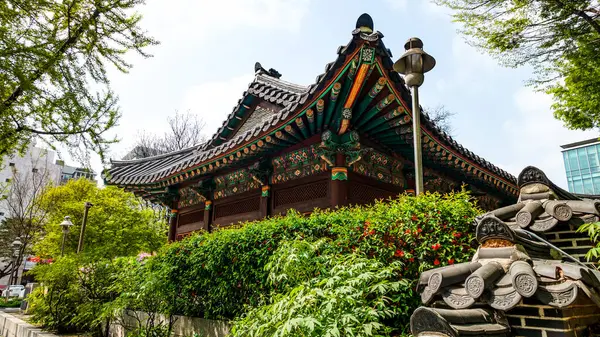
(218,274)
(251,273)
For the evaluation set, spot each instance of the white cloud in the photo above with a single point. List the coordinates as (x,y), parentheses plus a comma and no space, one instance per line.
(213,101)
(534,136)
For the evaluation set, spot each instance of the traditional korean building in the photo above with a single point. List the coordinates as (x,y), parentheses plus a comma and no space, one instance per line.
(529,276)
(345,139)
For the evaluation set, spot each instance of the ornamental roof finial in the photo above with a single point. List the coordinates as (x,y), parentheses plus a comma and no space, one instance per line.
(365,23)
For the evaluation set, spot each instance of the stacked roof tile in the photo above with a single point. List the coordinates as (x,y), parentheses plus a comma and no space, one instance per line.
(513,263)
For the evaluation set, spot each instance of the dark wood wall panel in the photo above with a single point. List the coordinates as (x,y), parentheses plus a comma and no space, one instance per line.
(191,217)
(246,209)
(303,195)
(363,190)
(190,221)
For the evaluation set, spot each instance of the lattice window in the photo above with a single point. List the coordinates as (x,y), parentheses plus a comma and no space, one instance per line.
(191,217)
(238,207)
(365,194)
(301,193)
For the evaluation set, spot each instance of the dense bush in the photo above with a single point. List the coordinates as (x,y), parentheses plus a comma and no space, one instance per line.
(217,275)
(74,295)
(327,295)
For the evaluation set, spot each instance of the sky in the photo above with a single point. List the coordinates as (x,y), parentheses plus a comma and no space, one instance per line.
(208,49)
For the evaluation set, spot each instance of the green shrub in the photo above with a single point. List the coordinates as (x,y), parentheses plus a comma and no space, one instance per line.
(54,304)
(218,275)
(12,303)
(73,296)
(354,296)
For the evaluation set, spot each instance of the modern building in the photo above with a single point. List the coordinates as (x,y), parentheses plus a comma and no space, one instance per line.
(582,166)
(345,139)
(71,172)
(34,161)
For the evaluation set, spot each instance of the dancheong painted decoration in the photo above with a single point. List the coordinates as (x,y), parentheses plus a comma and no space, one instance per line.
(345,139)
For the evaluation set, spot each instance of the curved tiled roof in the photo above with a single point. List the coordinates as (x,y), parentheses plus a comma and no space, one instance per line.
(512,263)
(291,100)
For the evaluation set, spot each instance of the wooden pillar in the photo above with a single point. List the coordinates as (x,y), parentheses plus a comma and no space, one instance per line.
(207,215)
(339,182)
(172,225)
(264,201)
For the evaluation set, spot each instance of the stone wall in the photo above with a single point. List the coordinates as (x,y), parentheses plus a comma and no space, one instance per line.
(183,327)
(532,319)
(10,326)
(565,237)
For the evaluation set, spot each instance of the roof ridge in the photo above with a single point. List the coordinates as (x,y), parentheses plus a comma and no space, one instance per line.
(158,156)
(294,86)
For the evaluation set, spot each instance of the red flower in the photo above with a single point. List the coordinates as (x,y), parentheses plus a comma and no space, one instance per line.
(412,259)
(450,261)
(436,246)
(414,218)
(372,232)
(407,231)
(457,235)
(436,262)
(419,230)
(399,253)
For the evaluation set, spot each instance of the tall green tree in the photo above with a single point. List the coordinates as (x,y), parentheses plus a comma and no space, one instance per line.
(54,56)
(117,225)
(559,38)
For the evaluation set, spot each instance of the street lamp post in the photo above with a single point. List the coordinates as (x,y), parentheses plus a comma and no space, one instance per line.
(16,245)
(87,206)
(413,65)
(66,224)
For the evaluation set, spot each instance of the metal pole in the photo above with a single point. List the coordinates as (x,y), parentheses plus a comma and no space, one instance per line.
(82,233)
(417,140)
(62,249)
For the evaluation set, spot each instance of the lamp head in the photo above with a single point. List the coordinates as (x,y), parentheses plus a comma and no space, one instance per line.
(414,63)
(17,243)
(66,224)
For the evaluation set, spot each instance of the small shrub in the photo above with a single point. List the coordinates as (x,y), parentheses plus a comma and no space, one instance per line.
(73,296)
(11,303)
(593,231)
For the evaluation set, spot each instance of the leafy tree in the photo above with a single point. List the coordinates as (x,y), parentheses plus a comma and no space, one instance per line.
(116,226)
(559,38)
(53,70)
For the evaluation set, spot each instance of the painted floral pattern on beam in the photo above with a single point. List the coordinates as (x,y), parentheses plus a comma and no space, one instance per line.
(189,197)
(234,183)
(297,164)
(380,167)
